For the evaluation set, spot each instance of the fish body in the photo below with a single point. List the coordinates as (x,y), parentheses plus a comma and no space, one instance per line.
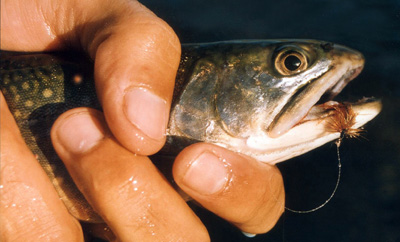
(253,97)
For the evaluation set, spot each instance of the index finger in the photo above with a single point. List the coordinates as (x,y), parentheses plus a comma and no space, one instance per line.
(135,85)
(136,56)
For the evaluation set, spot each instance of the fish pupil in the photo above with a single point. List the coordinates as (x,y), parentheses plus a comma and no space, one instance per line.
(292,62)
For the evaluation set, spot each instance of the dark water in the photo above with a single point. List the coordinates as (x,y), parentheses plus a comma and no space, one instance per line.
(366,206)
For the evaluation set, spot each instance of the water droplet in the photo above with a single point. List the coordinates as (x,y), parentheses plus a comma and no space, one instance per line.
(249,235)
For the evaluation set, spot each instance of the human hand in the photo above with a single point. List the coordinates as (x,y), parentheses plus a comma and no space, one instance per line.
(136,56)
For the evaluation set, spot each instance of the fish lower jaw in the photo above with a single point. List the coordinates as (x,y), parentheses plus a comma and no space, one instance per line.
(308,134)
(275,156)
(299,140)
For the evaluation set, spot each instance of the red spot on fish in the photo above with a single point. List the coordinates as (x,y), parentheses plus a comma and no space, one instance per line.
(77,79)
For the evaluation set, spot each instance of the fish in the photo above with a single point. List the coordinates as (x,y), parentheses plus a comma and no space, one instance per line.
(269,99)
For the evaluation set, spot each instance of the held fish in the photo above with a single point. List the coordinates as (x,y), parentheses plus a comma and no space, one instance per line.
(269,99)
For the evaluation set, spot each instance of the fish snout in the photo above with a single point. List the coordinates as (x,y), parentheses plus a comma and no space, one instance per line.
(340,54)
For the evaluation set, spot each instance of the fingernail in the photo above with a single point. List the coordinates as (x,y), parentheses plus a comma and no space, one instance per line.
(207,174)
(146,111)
(79,132)
(249,234)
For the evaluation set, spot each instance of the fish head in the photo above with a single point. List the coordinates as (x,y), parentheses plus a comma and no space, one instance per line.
(265,101)
(265,98)
(271,88)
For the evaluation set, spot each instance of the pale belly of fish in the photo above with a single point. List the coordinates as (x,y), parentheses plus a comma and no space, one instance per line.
(268,99)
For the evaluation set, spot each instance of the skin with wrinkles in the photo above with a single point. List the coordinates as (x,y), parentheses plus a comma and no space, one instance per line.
(40,87)
(121,29)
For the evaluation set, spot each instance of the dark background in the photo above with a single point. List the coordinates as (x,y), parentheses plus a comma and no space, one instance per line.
(366,205)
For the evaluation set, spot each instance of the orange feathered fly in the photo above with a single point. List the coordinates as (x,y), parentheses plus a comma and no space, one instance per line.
(343,118)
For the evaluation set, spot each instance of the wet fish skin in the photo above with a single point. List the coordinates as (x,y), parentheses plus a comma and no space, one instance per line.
(236,95)
(231,80)
(225,93)
(38,88)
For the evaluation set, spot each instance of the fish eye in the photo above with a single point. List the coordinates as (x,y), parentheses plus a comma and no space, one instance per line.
(290,62)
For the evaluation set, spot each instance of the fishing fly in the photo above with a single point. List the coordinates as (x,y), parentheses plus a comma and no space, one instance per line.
(342,119)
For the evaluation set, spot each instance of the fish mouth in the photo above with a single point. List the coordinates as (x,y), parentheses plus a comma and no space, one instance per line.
(346,65)
(312,131)
(310,118)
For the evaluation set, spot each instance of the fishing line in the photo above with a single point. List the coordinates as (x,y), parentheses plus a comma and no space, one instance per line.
(338,142)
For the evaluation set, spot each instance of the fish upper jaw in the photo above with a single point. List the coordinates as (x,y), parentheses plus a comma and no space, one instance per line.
(345,65)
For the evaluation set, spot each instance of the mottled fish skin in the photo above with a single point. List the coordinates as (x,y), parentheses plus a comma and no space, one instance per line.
(226,89)
(38,88)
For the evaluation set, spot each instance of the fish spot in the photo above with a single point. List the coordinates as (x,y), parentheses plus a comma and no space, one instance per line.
(6,80)
(47,93)
(25,85)
(77,79)
(29,103)
(35,86)
(13,89)
(17,114)
(17,97)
